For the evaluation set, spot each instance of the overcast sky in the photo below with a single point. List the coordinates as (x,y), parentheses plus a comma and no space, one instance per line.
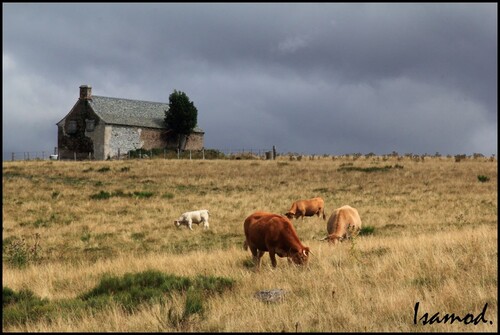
(320,78)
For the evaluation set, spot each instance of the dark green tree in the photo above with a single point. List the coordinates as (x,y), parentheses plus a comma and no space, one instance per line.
(182,115)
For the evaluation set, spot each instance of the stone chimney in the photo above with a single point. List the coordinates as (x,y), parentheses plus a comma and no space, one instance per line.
(86,92)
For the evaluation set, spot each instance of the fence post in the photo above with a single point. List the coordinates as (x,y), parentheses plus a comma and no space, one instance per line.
(74,155)
(118,153)
(189,154)
(178,153)
(12,156)
(203,153)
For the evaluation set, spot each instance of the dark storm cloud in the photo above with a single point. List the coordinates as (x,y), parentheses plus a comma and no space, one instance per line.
(310,78)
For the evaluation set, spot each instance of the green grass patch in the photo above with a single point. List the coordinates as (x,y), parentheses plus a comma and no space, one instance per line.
(366,230)
(483,179)
(130,291)
(18,253)
(369,169)
(103,195)
(23,306)
(104,169)
(168,195)
(138,236)
(134,289)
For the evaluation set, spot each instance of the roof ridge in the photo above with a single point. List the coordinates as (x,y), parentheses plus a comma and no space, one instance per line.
(154,102)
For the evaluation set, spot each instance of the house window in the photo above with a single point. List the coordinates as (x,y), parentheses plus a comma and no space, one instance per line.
(71,127)
(90,125)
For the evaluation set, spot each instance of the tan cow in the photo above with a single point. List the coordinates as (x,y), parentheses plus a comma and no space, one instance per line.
(273,233)
(310,207)
(343,223)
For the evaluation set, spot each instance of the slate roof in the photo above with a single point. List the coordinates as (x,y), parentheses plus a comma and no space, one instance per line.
(131,112)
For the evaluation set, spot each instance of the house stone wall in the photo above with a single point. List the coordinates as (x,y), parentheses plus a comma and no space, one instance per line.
(132,138)
(76,142)
(122,138)
(97,137)
(194,142)
(153,138)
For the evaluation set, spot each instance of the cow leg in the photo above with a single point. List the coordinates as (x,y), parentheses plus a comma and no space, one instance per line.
(259,258)
(205,224)
(272,255)
(190,224)
(256,255)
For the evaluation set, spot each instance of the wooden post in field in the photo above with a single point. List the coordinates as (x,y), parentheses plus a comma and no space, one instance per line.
(28,155)
(118,153)
(13,156)
(189,154)
(74,155)
(203,153)
(178,153)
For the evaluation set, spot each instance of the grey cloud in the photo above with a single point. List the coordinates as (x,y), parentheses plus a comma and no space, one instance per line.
(311,78)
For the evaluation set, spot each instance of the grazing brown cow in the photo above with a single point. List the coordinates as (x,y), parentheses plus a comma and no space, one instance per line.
(343,223)
(310,207)
(273,233)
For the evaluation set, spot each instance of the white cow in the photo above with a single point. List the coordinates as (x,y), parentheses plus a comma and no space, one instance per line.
(188,218)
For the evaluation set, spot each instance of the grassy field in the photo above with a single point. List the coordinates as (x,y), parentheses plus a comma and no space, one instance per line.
(91,246)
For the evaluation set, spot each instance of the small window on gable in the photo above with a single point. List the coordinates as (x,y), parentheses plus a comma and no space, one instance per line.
(90,125)
(71,127)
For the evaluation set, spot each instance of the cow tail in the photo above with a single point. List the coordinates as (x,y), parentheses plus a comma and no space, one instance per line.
(324,215)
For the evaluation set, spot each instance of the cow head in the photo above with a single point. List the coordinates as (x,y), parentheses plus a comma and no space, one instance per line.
(301,257)
(290,215)
(334,238)
(177,223)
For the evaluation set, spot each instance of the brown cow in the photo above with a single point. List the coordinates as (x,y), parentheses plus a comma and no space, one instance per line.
(343,223)
(273,233)
(310,207)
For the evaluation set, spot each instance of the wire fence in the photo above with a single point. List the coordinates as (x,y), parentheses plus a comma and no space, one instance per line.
(30,156)
(148,154)
(225,153)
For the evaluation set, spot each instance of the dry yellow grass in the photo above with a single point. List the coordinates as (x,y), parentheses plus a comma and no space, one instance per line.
(434,241)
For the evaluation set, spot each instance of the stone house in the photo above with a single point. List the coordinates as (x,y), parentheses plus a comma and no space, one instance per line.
(102,127)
